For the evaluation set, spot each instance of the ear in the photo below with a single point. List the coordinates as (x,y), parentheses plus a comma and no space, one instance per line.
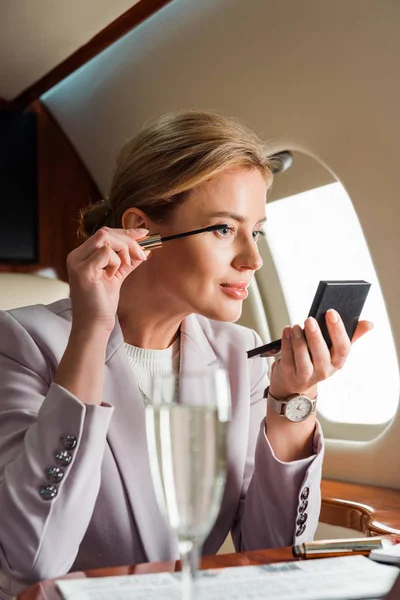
(133,218)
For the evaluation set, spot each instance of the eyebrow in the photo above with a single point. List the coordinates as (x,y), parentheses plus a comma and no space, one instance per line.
(234,216)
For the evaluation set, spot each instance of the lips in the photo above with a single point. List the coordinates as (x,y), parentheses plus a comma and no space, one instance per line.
(237,286)
(238,291)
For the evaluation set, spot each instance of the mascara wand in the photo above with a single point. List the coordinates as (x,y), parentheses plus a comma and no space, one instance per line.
(151,242)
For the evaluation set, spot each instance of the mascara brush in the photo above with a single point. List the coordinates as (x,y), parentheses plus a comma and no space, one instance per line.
(153,241)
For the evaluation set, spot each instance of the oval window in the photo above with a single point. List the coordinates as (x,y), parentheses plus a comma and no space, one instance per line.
(313,233)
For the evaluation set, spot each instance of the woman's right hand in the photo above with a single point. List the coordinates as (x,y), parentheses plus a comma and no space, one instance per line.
(96,272)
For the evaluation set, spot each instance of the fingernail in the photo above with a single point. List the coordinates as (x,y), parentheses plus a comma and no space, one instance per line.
(286,333)
(370,325)
(311,324)
(333,316)
(142,254)
(298,334)
(142,231)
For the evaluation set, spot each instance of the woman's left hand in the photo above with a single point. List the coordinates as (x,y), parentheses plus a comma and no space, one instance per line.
(306,359)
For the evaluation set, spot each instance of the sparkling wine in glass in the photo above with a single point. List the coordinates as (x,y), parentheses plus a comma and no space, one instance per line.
(186,427)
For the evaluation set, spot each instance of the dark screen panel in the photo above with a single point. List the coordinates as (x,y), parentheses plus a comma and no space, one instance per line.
(18,188)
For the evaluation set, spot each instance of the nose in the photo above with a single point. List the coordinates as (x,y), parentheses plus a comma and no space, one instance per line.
(248,258)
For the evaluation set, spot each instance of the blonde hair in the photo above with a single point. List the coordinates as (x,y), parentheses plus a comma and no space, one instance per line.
(179,151)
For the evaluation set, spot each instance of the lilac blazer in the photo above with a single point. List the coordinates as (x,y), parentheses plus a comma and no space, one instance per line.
(105,512)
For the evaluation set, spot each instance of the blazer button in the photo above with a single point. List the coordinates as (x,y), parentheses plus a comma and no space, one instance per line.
(303,506)
(302,519)
(305,493)
(300,530)
(68,442)
(54,474)
(63,458)
(48,492)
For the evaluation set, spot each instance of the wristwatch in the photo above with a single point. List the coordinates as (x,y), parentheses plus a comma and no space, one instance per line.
(296,408)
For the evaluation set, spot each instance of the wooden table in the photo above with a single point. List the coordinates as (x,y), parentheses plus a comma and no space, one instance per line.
(369,509)
(47,590)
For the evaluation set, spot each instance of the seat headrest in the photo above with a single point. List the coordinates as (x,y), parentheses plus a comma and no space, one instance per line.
(23,289)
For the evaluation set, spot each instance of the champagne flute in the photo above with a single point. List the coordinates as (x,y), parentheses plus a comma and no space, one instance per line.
(186,428)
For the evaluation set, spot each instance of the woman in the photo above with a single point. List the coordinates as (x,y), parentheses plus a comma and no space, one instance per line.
(75,486)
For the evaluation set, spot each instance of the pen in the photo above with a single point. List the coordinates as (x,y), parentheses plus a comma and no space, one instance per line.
(346,547)
(153,241)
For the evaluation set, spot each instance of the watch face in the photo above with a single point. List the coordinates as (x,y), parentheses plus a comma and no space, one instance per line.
(298,409)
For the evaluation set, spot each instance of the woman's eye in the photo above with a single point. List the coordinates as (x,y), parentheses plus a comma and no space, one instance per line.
(256,235)
(225,231)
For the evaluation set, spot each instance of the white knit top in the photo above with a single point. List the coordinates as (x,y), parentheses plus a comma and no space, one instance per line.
(147,363)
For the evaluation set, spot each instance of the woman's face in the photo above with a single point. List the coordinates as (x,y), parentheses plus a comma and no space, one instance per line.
(209,273)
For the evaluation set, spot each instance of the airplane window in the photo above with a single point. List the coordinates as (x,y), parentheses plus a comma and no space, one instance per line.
(316,235)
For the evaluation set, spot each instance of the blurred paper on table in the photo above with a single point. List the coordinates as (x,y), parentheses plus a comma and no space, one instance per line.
(340,578)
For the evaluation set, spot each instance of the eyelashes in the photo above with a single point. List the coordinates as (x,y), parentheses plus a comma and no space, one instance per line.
(226,230)
(259,232)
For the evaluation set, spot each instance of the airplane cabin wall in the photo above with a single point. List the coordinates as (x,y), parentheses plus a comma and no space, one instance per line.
(64,186)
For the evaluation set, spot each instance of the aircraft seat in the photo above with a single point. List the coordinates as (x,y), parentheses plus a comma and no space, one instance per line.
(23,289)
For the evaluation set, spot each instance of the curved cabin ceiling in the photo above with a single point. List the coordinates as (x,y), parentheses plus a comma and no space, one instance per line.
(306,75)
(36,35)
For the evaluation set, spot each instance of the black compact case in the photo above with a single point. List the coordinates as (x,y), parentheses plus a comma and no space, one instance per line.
(347,297)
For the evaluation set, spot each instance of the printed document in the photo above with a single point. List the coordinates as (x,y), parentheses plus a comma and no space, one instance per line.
(340,578)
